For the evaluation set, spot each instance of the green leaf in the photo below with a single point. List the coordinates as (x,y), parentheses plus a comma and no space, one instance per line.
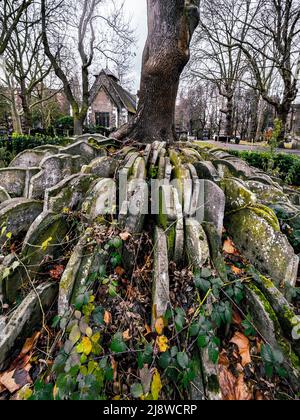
(182,360)
(136,390)
(174,351)
(202,341)
(206,273)
(118,345)
(179,319)
(194,330)
(213,353)
(202,284)
(164,360)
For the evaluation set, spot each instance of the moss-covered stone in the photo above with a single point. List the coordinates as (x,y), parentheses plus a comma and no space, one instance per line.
(237,195)
(267,249)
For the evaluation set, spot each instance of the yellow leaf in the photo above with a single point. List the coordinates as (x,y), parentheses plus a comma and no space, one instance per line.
(162,343)
(229,247)
(85,346)
(95,338)
(156,385)
(9,235)
(46,244)
(159,326)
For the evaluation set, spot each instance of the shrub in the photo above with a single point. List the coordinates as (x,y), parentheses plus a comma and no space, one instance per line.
(15,144)
(286,166)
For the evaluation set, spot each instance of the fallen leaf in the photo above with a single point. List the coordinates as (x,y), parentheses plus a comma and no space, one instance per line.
(242,391)
(85,346)
(127,336)
(146,377)
(148,330)
(119,271)
(162,343)
(29,345)
(229,247)
(232,388)
(236,318)
(125,236)
(159,326)
(107,317)
(57,272)
(15,380)
(223,359)
(236,270)
(244,347)
(156,385)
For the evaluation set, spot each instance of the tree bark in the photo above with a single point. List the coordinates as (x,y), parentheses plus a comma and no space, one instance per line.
(171,24)
(78,125)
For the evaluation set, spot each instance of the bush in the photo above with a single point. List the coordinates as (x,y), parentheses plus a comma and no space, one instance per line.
(15,144)
(286,166)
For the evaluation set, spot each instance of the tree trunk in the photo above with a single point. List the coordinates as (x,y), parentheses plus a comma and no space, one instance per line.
(78,125)
(171,24)
(229,117)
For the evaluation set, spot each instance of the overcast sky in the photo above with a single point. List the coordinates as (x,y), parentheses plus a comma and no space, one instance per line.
(137,10)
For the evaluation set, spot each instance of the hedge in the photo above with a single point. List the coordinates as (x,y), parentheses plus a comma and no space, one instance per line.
(11,146)
(286,166)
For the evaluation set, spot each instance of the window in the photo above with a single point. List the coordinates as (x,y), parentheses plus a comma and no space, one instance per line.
(102,119)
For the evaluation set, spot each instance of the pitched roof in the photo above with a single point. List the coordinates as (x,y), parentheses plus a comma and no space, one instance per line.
(106,79)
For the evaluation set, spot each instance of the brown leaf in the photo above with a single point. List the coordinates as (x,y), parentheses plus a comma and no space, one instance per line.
(29,345)
(146,378)
(244,347)
(57,272)
(125,236)
(236,319)
(236,270)
(119,271)
(223,359)
(15,380)
(232,388)
(229,247)
(148,330)
(107,317)
(159,326)
(126,335)
(242,391)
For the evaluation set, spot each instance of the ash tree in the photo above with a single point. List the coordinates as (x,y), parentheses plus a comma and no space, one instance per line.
(171,25)
(11,12)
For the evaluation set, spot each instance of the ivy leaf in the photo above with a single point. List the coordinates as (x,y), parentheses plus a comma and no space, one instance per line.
(194,330)
(202,341)
(213,353)
(179,319)
(118,345)
(136,390)
(75,334)
(165,360)
(182,360)
(206,273)
(85,346)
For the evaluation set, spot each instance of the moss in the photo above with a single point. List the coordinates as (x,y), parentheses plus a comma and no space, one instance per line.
(171,236)
(237,195)
(267,306)
(267,214)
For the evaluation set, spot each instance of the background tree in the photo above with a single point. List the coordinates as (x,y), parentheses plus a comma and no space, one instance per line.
(98,30)
(273,42)
(10,15)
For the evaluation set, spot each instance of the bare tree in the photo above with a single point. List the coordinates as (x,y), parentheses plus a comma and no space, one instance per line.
(26,63)
(171,25)
(90,16)
(216,57)
(10,15)
(273,43)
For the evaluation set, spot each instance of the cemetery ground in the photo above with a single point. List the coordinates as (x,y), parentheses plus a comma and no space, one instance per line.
(183,285)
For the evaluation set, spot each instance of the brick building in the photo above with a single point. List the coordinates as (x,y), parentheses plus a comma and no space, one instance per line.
(110,104)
